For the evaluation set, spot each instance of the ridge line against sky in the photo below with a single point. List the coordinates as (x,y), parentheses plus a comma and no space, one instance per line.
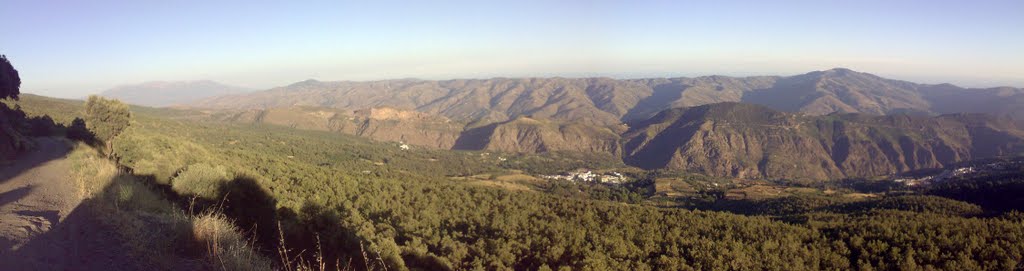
(73,48)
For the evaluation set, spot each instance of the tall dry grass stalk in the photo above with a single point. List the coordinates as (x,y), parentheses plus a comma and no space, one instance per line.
(299,263)
(225,245)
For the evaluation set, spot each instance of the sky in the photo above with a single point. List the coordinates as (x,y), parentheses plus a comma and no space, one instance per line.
(75,48)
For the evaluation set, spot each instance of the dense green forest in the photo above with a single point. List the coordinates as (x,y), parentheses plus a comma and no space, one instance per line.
(373,205)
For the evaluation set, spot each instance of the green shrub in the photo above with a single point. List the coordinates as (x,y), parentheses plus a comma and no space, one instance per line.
(201,180)
(156,155)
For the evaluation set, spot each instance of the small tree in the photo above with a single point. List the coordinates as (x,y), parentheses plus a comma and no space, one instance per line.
(10,137)
(10,82)
(106,119)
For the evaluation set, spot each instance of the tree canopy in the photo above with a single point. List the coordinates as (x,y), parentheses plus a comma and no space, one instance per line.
(106,118)
(10,82)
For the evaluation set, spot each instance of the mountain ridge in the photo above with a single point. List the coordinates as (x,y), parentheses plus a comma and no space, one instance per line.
(606,101)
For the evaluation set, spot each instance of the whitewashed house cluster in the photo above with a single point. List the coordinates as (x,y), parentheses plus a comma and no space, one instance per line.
(589,177)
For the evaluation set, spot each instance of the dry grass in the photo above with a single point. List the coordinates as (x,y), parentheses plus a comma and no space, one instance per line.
(225,245)
(152,226)
(518,178)
(91,172)
(756,192)
(860,195)
(513,186)
(512,182)
(803,190)
(672,187)
(292,262)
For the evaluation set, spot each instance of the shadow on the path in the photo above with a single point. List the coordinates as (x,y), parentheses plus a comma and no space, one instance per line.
(88,239)
(79,242)
(16,194)
(46,149)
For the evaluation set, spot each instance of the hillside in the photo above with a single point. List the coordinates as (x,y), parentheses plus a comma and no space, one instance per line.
(163,93)
(725,139)
(528,135)
(750,141)
(521,135)
(382,124)
(605,101)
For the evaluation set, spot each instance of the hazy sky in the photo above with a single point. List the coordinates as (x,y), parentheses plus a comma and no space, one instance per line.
(72,48)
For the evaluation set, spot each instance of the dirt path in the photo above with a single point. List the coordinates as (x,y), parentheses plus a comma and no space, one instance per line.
(42,225)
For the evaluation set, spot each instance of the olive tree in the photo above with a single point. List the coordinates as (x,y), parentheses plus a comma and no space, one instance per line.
(106,119)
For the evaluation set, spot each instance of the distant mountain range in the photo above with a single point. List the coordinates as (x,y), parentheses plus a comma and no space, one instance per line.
(820,125)
(161,93)
(607,101)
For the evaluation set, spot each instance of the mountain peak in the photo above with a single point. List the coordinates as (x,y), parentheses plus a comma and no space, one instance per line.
(307,82)
(837,72)
(840,73)
(844,72)
(841,70)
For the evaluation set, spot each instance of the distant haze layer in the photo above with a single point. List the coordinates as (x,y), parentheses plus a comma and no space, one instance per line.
(160,94)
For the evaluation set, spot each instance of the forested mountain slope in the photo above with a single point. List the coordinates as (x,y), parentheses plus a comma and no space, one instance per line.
(751,141)
(725,139)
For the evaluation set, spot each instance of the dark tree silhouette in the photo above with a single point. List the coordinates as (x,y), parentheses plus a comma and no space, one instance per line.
(10,82)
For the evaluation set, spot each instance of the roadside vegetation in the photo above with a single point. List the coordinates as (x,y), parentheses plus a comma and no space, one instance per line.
(150,221)
(154,227)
